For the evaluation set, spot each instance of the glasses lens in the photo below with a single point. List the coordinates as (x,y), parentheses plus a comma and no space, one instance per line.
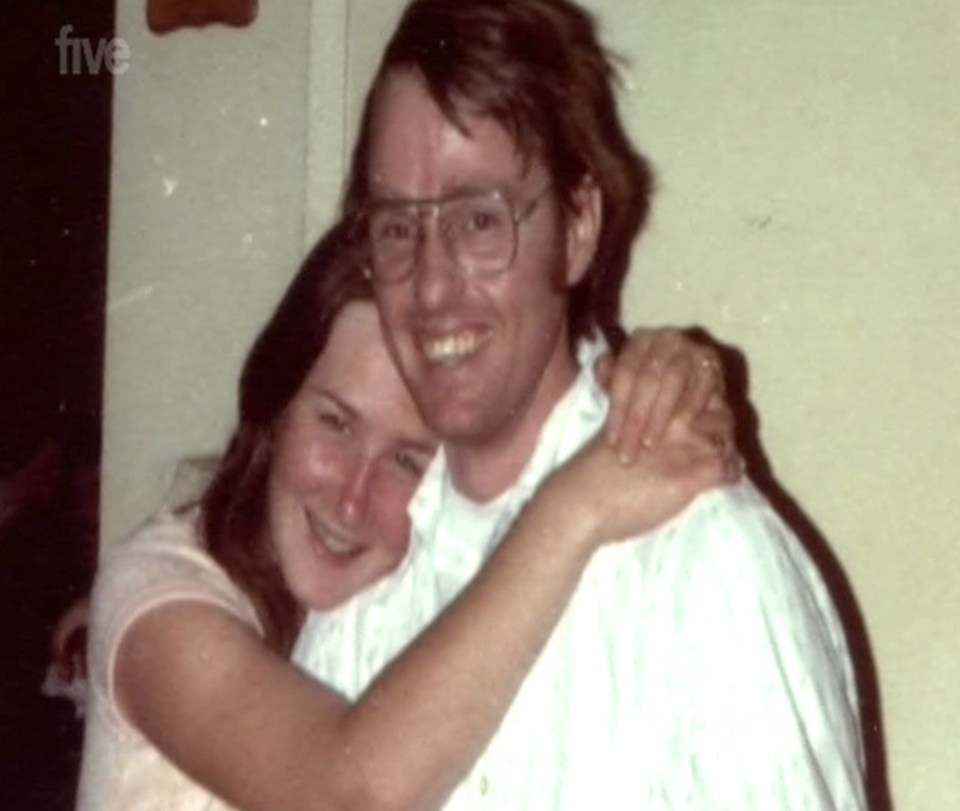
(394,233)
(479,232)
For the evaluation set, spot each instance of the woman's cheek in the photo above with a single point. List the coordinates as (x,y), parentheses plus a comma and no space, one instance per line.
(307,462)
(393,523)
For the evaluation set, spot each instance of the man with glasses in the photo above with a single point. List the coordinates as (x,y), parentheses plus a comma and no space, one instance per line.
(704,668)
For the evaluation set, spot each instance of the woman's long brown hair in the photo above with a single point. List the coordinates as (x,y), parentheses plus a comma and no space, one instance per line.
(234,505)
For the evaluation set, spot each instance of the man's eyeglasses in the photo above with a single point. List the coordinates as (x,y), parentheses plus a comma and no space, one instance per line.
(478,230)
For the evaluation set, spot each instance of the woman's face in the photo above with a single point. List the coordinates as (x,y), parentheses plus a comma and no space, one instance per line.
(349,450)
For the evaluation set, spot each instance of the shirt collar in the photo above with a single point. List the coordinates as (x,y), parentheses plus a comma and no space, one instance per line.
(475,528)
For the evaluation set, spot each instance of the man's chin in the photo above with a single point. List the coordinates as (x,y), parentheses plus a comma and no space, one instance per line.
(461,424)
(449,427)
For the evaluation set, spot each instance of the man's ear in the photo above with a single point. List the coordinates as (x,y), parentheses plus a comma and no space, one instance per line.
(583,229)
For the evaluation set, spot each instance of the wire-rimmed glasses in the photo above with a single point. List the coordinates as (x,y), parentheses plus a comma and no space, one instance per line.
(477,227)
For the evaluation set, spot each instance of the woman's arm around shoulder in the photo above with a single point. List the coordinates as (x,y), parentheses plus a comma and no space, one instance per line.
(204,688)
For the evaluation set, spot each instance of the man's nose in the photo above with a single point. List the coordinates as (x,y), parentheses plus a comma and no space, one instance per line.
(355,492)
(437,279)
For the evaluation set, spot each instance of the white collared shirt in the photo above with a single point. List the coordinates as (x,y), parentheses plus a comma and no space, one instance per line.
(702,667)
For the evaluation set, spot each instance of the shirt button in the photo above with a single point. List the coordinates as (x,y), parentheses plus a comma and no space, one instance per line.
(484,786)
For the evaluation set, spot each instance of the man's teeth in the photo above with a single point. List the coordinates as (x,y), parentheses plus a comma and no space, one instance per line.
(453,347)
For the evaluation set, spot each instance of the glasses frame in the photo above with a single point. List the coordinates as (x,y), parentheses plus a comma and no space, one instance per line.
(432,208)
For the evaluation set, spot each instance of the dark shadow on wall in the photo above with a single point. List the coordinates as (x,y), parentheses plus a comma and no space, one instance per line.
(761,472)
(55,164)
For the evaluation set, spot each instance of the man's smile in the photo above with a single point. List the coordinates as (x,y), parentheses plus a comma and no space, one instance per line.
(453,348)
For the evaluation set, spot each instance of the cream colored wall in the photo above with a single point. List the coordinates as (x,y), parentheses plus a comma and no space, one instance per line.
(808,164)
(228,155)
(209,202)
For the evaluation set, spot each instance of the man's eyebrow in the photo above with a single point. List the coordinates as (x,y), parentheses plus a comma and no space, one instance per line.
(459,190)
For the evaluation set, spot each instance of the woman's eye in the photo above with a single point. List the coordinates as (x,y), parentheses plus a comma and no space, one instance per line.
(334,421)
(411,463)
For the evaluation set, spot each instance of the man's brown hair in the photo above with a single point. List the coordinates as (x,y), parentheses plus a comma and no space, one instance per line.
(537,67)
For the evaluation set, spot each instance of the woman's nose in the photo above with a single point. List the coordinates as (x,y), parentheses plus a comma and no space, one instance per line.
(355,492)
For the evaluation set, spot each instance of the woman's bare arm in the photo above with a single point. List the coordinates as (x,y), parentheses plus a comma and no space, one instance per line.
(245,723)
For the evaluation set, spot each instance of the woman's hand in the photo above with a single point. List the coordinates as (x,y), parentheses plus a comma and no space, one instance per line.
(660,375)
(600,498)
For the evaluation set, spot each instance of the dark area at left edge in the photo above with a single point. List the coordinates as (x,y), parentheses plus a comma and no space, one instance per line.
(55,169)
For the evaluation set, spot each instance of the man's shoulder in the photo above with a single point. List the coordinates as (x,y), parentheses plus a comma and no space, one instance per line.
(729,539)
(728,519)
(731,512)
(727,573)
(729,554)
